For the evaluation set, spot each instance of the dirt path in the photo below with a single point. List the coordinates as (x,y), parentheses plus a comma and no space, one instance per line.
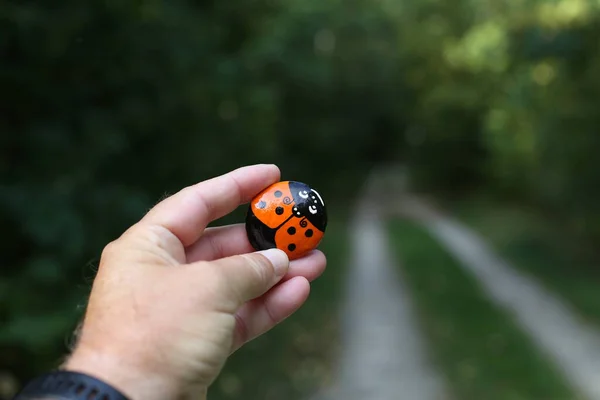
(568,341)
(382,354)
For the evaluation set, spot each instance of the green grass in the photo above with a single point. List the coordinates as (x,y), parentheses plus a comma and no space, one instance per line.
(295,358)
(538,246)
(477,346)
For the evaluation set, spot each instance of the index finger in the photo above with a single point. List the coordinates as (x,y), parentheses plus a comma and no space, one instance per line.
(187,213)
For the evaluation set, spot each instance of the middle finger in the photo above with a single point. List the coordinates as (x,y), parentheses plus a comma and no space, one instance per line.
(230,240)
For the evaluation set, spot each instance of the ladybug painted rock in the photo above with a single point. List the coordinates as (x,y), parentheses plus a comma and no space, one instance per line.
(287,215)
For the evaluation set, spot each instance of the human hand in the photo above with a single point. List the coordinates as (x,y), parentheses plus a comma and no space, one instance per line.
(173,299)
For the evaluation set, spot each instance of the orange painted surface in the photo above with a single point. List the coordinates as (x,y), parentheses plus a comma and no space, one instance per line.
(265,204)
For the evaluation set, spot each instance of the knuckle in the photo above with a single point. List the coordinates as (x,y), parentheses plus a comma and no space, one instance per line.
(109,254)
(110,250)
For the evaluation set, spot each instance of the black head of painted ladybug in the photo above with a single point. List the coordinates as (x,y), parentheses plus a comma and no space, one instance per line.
(309,204)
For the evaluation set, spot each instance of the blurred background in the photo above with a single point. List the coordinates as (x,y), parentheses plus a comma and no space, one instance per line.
(489,106)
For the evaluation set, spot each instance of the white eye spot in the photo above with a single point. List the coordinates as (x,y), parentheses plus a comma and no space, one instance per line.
(303,194)
(312,209)
(298,213)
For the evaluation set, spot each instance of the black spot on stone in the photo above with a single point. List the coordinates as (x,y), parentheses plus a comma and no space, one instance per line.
(292,247)
(261,204)
(308,233)
(279,210)
(278,193)
(291,230)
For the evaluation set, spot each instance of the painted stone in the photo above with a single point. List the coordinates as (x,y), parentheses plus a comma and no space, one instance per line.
(288,215)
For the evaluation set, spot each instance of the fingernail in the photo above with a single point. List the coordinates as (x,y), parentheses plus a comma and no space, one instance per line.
(279,260)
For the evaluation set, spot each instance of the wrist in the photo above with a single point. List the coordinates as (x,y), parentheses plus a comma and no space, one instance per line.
(126,375)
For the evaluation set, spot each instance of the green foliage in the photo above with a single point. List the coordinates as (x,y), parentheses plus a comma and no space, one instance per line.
(505,96)
(108,106)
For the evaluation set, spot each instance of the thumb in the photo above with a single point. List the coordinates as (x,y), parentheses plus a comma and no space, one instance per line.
(248,276)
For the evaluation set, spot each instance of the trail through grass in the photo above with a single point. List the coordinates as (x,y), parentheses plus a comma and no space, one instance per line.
(537,246)
(482,353)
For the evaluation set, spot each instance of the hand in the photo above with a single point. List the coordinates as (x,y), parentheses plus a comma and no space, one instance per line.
(173,299)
